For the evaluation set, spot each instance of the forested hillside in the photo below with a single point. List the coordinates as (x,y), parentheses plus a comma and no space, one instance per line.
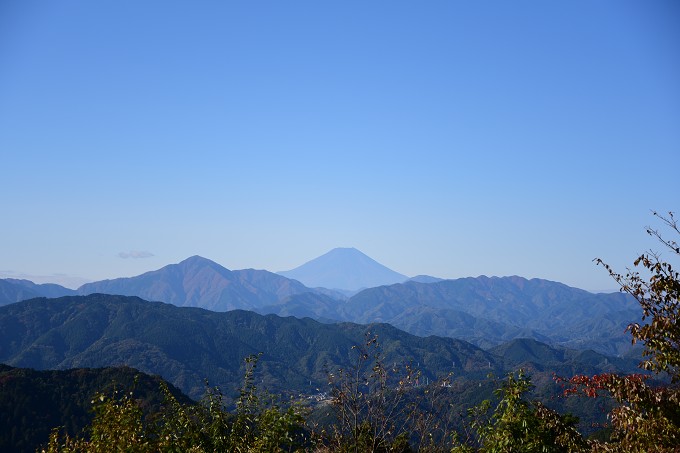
(188,345)
(33,402)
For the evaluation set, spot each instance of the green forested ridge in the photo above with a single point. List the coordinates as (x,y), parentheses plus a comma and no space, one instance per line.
(535,356)
(485,311)
(188,345)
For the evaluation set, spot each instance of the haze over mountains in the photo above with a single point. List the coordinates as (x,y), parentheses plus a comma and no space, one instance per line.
(485,311)
(345,269)
(15,290)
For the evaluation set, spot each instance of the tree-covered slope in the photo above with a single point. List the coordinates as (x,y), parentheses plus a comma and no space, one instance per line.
(537,357)
(502,309)
(187,345)
(485,311)
(33,402)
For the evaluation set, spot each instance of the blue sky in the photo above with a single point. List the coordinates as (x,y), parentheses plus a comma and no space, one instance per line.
(447,138)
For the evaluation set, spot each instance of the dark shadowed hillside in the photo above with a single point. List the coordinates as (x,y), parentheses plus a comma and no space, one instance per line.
(33,402)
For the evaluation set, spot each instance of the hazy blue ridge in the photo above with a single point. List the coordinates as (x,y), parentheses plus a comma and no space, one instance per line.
(485,311)
(15,290)
(501,308)
(425,279)
(200,282)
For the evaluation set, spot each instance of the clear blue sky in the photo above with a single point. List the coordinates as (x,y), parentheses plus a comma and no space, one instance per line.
(450,138)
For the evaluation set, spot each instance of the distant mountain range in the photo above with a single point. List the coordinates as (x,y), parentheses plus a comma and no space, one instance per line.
(491,310)
(486,311)
(15,290)
(199,282)
(344,269)
(188,345)
(194,282)
(425,279)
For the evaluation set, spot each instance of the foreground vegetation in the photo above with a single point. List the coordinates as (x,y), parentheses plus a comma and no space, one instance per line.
(376,408)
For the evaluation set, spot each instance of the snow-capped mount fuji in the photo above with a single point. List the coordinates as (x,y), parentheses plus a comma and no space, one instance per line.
(346,269)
